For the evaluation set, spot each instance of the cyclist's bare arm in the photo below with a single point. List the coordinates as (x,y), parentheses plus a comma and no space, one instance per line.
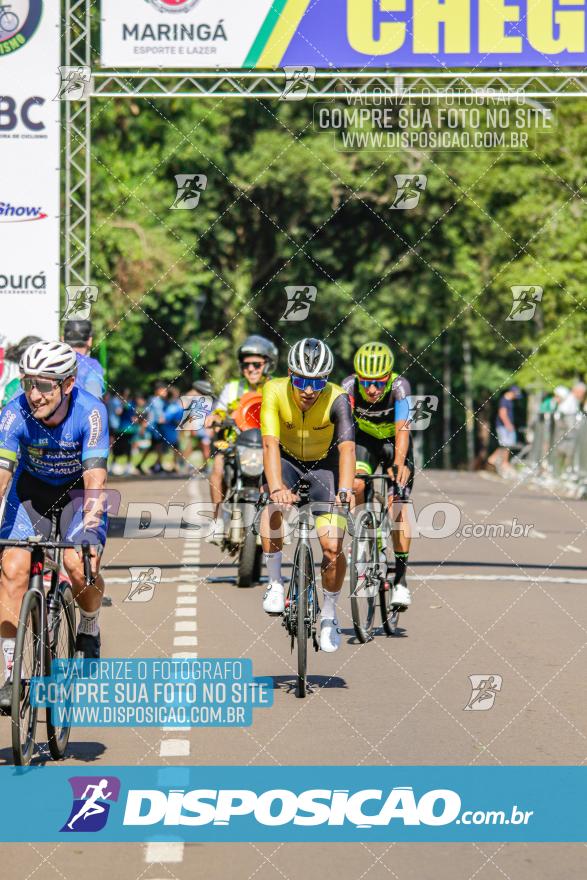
(95,498)
(5,477)
(272,466)
(347,466)
(402,442)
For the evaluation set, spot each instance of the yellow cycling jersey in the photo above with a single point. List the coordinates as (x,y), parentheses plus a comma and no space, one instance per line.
(306,436)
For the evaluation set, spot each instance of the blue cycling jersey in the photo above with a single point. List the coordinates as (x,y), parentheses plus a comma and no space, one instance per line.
(56,455)
(90,375)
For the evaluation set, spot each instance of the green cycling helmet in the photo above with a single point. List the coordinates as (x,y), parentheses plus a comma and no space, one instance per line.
(373,360)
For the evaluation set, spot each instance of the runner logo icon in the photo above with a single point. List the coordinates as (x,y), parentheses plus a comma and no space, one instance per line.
(91,796)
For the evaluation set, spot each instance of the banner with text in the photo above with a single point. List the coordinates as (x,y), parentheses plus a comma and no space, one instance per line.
(343,33)
(330,804)
(29,185)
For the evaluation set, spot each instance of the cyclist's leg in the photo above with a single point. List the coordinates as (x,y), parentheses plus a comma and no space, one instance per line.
(367,460)
(25,515)
(271,529)
(399,513)
(330,528)
(88,597)
(216,482)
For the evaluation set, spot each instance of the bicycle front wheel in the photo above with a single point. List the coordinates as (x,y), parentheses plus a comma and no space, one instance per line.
(27,664)
(302,575)
(62,648)
(363,575)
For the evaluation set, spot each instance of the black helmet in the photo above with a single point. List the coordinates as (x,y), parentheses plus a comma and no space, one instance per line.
(77,332)
(260,346)
(203,387)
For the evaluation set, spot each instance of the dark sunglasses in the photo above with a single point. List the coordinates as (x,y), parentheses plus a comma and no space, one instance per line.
(378,383)
(303,382)
(44,386)
(254,365)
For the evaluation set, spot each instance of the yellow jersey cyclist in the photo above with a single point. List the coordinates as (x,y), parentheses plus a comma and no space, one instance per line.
(257,358)
(308,433)
(381,409)
(54,437)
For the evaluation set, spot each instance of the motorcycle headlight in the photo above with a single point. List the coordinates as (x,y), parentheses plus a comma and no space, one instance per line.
(251,461)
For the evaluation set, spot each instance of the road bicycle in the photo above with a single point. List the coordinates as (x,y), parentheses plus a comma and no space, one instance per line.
(301,602)
(46,631)
(371,578)
(9,21)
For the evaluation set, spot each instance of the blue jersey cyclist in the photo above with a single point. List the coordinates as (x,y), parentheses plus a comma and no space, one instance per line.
(381,409)
(54,447)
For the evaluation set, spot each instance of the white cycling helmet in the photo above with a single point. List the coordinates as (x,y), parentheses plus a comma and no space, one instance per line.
(310,358)
(51,360)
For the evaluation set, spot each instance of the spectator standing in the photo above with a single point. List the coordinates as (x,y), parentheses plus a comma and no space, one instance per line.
(90,375)
(505,429)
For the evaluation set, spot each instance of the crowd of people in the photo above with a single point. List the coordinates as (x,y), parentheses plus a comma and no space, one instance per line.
(143,428)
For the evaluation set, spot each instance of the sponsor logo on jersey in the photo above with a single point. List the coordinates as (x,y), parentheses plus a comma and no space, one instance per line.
(95,427)
(7,420)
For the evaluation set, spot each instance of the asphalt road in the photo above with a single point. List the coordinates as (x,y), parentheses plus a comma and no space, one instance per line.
(514,607)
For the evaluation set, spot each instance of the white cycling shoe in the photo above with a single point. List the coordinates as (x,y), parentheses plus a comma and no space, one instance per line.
(400,595)
(329,635)
(274,598)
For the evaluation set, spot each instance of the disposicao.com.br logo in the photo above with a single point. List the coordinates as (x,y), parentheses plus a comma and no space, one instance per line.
(367,808)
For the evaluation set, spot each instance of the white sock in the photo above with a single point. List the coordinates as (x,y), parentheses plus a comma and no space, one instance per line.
(8,651)
(89,624)
(273,564)
(329,606)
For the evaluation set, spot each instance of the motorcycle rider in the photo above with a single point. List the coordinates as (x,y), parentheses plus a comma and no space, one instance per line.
(257,358)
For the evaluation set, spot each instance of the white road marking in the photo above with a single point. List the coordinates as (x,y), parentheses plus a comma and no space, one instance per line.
(500,577)
(186,612)
(184,655)
(535,534)
(169,851)
(186,626)
(570,548)
(174,748)
(171,729)
(187,600)
(187,588)
(185,641)
(483,512)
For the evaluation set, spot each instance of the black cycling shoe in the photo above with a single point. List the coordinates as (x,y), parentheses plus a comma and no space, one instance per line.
(6,697)
(89,645)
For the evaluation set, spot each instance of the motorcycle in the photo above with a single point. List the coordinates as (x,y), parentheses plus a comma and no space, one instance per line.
(242,447)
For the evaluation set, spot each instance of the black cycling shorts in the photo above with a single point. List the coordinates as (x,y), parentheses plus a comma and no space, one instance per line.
(372,453)
(322,475)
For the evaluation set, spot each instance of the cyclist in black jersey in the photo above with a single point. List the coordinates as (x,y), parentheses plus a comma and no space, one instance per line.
(381,409)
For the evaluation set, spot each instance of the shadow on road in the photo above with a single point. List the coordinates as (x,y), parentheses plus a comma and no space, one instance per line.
(87,752)
(314,682)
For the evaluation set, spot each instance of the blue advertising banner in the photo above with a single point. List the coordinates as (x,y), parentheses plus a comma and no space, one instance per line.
(542,804)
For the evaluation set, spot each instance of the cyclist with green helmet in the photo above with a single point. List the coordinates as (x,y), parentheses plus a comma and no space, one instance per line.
(381,409)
